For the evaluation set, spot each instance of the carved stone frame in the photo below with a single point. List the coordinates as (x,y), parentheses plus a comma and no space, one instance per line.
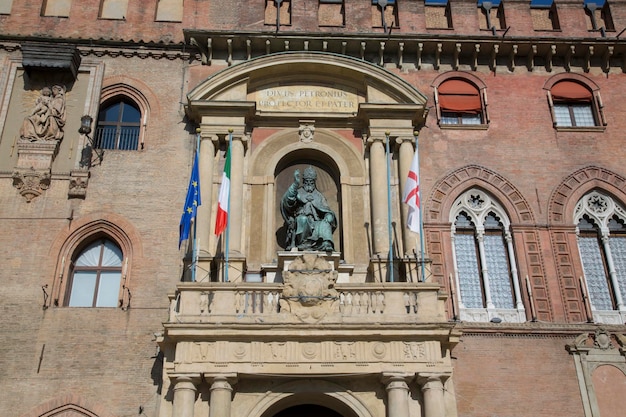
(590,351)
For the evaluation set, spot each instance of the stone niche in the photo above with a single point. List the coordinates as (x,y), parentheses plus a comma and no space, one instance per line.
(43,105)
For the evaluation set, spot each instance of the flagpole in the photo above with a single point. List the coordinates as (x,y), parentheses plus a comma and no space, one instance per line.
(419,196)
(227,239)
(194,246)
(389,208)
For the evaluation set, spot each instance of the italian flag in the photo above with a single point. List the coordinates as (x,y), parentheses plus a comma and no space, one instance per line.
(222,203)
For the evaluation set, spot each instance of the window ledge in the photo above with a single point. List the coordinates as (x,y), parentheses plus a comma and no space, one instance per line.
(464,127)
(484,315)
(609,317)
(580,128)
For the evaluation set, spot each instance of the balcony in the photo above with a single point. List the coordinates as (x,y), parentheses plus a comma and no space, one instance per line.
(248,303)
(307,323)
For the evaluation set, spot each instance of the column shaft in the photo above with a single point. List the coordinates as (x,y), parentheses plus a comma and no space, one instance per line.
(220,401)
(204,226)
(397,395)
(434,405)
(405,158)
(236,195)
(378,193)
(184,398)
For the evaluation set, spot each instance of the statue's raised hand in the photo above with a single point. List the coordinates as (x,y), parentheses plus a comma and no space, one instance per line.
(296,177)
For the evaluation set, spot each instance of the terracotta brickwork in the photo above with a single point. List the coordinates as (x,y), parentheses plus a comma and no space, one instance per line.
(501,374)
(139,22)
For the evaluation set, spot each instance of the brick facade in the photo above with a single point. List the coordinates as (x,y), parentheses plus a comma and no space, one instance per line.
(109,362)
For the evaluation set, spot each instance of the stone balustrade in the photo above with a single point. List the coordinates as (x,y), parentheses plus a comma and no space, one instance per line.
(250,302)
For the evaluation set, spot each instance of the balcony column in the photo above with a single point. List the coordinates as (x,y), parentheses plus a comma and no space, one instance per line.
(405,158)
(205,168)
(235,210)
(480,237)
(397,394)
(184,396)
(432,391)
(612,271)
(221,394)
(378,195)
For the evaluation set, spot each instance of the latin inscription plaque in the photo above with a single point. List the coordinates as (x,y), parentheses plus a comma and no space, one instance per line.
(308,99)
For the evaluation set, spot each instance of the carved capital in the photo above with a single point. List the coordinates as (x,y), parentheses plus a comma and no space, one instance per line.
(185,380)
(429,380)
(396,379)
(222,381)
(31,183)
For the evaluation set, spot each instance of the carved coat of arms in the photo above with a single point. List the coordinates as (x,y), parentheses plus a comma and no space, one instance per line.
(309,288)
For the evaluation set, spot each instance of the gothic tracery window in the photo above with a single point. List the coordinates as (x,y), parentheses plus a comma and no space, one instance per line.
(484,260)
(602,245)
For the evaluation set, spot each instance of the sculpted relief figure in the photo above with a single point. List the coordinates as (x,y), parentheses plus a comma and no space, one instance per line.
(47,118)
(310,221)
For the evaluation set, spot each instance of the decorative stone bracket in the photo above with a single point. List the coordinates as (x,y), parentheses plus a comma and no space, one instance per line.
(79,179)
(31,183)
(32,175)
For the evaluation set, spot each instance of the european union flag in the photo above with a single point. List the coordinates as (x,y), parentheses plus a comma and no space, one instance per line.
(191,202)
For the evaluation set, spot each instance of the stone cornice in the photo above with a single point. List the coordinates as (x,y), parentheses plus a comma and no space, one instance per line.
(534,329)
(417,51)
(408,51)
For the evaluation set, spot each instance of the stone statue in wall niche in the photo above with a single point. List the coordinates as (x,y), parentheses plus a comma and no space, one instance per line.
(309,219)
(46,121)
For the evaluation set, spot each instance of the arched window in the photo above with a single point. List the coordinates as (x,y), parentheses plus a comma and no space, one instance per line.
(119,125)
(484,260)
(573,105)
(96,275)
(602,245)
(459,102)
